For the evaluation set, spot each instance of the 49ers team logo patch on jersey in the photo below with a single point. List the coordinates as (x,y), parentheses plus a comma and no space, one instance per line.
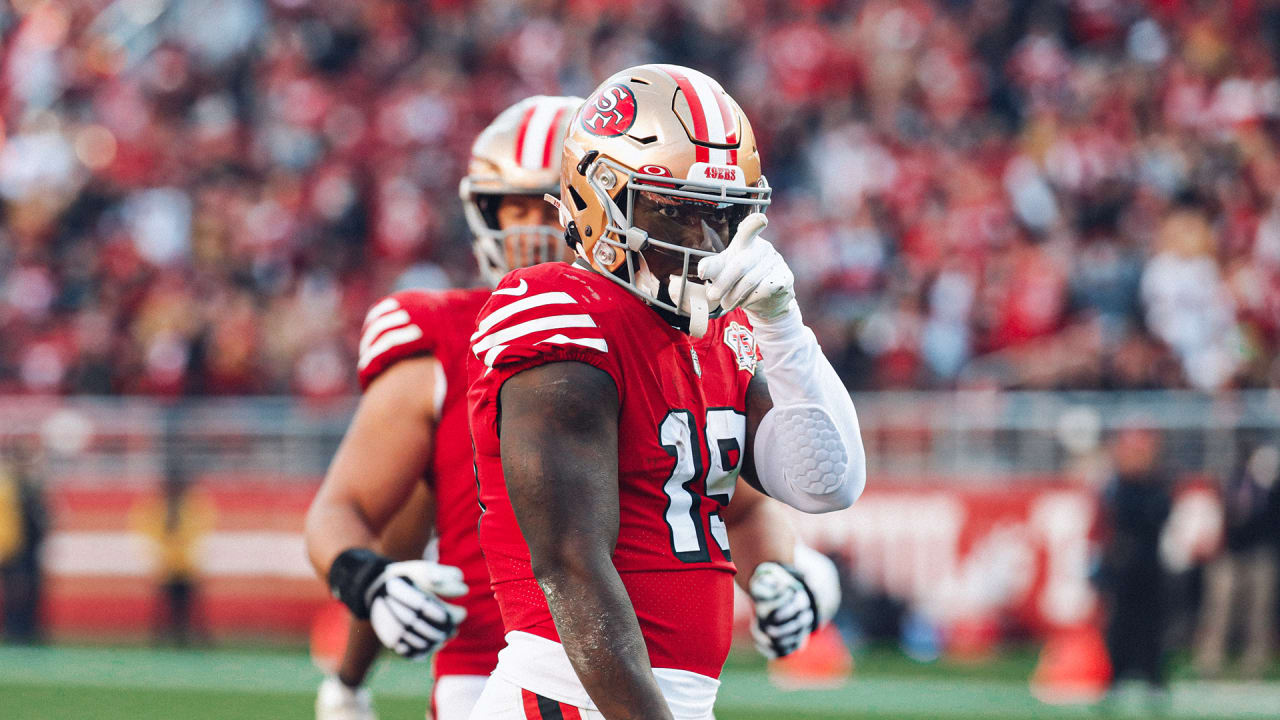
(743,344)
(610,112)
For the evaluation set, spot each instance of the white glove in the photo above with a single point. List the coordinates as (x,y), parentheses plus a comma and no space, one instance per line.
(749,273)
(785,610)
(336,701)
(406,610)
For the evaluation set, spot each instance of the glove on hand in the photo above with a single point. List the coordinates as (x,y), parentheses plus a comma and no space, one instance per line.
(786,612)
(401,599)
(749,274)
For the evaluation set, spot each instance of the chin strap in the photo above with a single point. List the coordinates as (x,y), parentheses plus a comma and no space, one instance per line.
(692,301)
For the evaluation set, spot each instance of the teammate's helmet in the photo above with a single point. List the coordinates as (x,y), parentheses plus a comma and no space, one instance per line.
(517,154)
(658,159)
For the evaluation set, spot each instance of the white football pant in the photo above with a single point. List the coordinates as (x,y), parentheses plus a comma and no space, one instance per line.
(453,696)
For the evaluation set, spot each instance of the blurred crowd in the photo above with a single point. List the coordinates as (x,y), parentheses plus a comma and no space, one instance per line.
(203,196)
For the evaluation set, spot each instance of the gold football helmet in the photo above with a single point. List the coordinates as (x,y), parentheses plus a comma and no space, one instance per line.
(517,154)
(660,165)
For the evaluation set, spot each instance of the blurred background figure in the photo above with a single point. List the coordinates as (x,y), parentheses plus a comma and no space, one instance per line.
(1240,584)
(175,523)
(23,525)
(1135,506)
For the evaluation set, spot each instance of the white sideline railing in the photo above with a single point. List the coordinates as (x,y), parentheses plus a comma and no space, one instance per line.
(933,436)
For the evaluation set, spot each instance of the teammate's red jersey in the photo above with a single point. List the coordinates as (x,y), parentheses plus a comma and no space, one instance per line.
(681,433)
(413,323)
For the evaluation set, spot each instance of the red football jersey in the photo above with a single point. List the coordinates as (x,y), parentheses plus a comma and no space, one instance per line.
(681,434)
(413,323)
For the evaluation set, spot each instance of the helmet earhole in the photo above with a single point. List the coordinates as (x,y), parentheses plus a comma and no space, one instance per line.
(587,230)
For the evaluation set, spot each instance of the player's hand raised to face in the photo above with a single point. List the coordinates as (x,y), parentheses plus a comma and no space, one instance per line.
(750,273)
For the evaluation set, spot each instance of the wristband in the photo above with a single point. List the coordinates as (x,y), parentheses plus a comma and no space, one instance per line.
(351,574)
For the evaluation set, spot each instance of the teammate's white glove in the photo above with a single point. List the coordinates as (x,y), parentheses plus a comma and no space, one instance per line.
(786,612)
(407,613)
(749,273)
(401,599)
(336,701)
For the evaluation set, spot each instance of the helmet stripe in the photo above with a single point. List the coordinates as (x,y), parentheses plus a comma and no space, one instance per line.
(540,126)
(702,154)
(524,129)
(713,122)
(711,99)
(552,132)
(695,103)
(726,116)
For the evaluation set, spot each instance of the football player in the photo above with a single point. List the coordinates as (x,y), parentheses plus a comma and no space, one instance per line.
(372,513)
(405,466)
(615,403)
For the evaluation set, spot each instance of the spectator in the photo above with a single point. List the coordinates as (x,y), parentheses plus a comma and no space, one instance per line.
(175,524)
(23,525)
(972,193)
(1135,506)
(1187,304)
(1244,574)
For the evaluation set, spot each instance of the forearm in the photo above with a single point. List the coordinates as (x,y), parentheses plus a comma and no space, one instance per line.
(362,649)
(333,526)
(808,448)
(759,531)
(409,530)
(598,628)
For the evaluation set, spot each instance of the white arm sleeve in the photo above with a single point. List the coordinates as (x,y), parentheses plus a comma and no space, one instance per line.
(823,579)
(808,449)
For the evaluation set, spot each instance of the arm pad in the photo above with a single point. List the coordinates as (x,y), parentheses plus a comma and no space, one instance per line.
(808,448)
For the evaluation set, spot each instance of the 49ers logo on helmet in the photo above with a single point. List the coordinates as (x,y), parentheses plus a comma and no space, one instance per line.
(610,112)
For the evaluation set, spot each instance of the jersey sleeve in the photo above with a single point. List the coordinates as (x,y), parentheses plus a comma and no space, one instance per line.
(531,319)
(397,327)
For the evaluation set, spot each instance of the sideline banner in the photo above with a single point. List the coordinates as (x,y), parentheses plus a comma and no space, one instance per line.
(1019,552)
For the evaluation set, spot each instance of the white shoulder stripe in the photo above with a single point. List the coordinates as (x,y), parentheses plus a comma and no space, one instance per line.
(377,327)
(389,339)
(529,303)
(383,307)
(520,289)
(597,343)
(493,354)
(558,339)
(554,322)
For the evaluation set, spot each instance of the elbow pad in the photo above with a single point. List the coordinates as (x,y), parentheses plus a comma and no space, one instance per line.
(808,448)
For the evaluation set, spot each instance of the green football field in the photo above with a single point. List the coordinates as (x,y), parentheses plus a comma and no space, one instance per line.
(68,683)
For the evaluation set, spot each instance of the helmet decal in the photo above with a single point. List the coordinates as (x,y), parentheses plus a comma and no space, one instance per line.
(710,119)
(659,171)
(539,129)
(610,112)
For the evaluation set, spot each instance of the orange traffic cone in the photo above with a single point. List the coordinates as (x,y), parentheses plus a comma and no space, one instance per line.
(329,630)
(824,662)
(1073,668)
